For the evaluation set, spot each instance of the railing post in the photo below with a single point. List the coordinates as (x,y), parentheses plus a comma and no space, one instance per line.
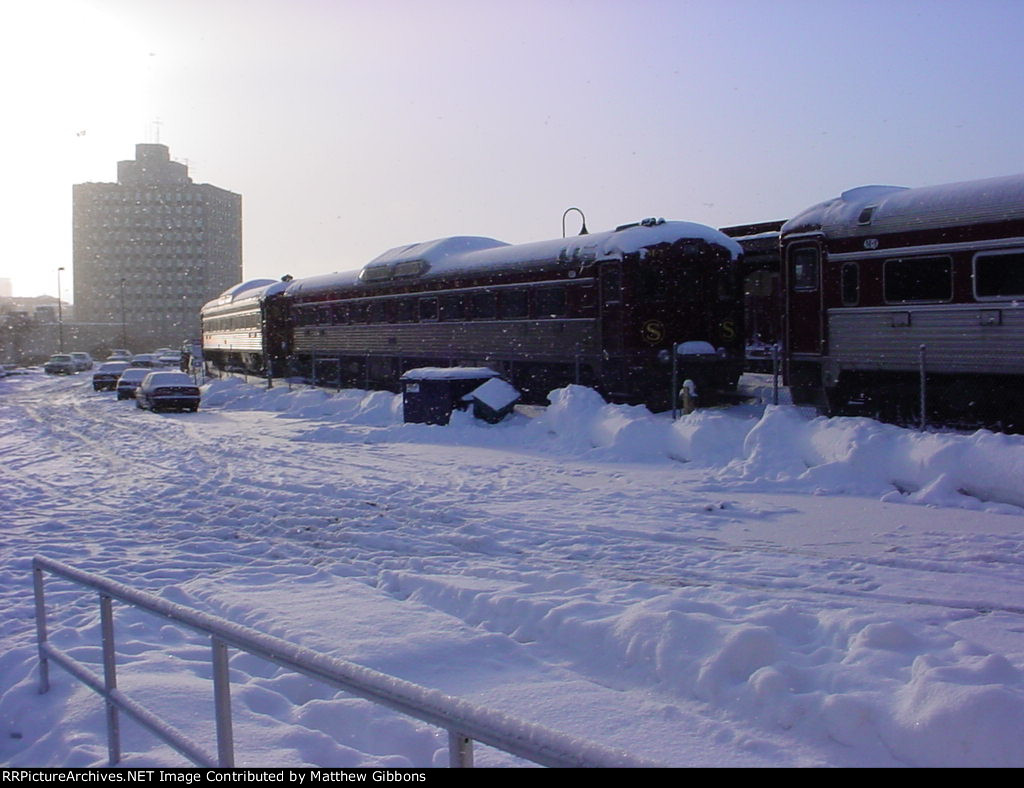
(775,373)
(222,704)
(460,750)
(924,388)
(110,678)
(44,663)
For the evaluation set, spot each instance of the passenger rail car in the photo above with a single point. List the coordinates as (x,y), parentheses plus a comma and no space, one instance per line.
(241,330)
(603,310)
(886,286)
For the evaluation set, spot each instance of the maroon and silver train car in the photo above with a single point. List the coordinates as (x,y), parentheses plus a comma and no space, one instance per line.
(241,328)
(603,310)
(888,287)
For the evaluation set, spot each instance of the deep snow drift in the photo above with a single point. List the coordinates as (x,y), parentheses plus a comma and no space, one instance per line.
(746,586)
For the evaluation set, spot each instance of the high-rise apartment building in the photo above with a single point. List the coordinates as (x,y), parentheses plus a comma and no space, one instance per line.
(151,249)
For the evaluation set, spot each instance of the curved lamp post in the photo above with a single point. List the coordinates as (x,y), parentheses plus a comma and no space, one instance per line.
(583,229)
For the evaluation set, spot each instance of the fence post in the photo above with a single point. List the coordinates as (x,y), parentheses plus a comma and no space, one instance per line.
(924,400)
(460,751)
(222,704)
(775,373)
(110,678)
(44,663)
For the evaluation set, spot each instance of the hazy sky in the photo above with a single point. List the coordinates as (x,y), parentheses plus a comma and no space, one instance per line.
(350,127)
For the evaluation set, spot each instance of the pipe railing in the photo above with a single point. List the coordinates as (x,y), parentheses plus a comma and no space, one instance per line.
(464,722)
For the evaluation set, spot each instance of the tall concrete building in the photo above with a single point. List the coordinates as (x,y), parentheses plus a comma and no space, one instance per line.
(151,249)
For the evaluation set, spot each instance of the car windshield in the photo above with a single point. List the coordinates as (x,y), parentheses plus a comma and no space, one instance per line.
(60,358)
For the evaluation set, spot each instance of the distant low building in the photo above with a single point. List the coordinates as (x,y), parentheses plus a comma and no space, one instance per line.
(151,249)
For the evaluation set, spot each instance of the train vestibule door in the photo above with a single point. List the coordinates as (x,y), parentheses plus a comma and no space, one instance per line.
(804,329)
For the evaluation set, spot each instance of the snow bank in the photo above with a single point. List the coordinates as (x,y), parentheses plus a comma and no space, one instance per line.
(755,447)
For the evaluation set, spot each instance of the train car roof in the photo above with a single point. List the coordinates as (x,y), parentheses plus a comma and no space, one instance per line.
(877,210)
(467,254)
(244,291)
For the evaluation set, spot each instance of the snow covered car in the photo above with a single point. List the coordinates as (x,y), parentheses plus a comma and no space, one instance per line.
(105,378)
(83,361)
(130,380)
(172,359)
(167,391)
(144,360)
(60,364)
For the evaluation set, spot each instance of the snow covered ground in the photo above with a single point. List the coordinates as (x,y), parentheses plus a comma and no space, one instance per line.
(753,586)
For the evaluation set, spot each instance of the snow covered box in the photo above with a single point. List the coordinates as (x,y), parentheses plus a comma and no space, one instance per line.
(430,394)
(492,401)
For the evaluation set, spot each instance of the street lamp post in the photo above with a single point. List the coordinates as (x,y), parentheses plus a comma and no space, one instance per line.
(60,314)
(124,322)
(583,229)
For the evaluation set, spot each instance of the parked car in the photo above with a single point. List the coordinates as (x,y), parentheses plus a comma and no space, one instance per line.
(60,364)
(167,391)
(83,361)
(130,380)
(120,354)
(144,360)
(105,378)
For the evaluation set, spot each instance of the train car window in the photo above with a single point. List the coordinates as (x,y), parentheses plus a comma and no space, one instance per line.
(483,305)
(513,304)
(917,279)
(340,314)
(550,302)
(999,274)
(428,309)
(452,307)
(850,284)
(375,312)
(323,315)
(357,312)
(804,262)
(405,311)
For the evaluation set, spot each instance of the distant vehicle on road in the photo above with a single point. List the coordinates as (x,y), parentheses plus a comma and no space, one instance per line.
(120,354)
(145,360)
(83,361)
(167,391)
(60,364)
(130,380)
(105,378)
(170,359)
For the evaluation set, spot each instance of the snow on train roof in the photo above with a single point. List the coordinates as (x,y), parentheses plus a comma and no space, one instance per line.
(251,289)
(873,210)
(445,256)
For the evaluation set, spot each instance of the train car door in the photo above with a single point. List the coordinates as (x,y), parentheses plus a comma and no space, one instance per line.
(611,307)
(804,330)
(612,327)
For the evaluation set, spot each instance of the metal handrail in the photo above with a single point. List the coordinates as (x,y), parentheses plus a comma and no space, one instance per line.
(464,722)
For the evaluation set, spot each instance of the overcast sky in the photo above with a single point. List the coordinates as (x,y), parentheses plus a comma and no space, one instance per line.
(350,127)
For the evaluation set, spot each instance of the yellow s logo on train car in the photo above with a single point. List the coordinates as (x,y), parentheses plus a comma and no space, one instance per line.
(727,328)
(653,331)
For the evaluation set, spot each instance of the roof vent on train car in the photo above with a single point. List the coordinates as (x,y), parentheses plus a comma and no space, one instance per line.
(375,273)
(650,221)
(410,268)
(866,215)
